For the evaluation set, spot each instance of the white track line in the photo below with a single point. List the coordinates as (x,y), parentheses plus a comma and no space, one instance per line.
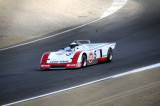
(116,5)
(114,76)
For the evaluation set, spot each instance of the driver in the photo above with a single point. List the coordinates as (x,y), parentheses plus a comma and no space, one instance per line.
(73,45)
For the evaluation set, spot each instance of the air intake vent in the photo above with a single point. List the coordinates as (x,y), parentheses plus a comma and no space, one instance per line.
(58,67)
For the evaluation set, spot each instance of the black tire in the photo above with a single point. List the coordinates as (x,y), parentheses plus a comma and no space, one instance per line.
(109,55)
(84,61)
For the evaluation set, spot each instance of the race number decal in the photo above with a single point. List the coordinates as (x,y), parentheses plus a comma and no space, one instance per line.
(90,57)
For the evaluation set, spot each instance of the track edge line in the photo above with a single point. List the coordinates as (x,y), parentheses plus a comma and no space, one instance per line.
(70,88)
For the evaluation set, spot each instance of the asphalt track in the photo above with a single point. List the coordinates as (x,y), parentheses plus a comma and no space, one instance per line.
(135,28)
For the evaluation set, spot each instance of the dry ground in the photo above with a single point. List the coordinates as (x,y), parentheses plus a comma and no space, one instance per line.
(25,19)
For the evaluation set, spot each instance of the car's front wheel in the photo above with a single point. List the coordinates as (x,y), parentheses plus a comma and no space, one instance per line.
(84,61)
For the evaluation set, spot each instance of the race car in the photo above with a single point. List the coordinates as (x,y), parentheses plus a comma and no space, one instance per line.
(80,53)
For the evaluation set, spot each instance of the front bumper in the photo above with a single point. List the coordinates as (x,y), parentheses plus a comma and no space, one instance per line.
(60,65)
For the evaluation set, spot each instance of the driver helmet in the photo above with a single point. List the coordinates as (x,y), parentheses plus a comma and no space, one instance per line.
(73,45)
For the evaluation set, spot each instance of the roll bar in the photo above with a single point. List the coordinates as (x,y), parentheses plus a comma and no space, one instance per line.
(80,42)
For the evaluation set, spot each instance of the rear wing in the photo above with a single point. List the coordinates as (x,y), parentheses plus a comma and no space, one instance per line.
(113,45)
(80,42)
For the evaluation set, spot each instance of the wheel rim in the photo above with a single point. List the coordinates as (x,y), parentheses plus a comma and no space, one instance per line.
(110,58)
(84,63)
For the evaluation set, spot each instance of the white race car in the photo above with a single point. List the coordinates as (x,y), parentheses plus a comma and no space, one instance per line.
(80,53)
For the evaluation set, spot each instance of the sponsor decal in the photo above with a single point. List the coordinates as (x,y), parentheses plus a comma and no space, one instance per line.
(90,57)
(45,65)
(63,61)
(59,61)
(71,64)
(54,62)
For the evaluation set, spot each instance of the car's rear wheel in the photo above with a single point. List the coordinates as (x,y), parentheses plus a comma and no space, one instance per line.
(109,55)
(84,61)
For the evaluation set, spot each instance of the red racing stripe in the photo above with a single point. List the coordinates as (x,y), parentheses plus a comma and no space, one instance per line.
(43,64)
(100,60)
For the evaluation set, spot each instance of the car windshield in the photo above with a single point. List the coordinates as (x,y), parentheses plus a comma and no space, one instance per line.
(68,49)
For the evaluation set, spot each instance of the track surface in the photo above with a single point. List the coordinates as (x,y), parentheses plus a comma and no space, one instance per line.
(135,28)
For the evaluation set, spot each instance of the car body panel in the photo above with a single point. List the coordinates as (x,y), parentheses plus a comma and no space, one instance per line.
(72,57)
